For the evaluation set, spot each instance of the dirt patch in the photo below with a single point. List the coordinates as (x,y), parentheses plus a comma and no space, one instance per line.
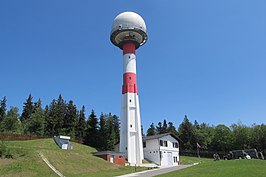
(4,162)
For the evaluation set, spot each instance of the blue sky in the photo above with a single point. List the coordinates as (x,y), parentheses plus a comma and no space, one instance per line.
(205,59)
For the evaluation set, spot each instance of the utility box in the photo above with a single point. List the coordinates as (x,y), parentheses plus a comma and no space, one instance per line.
(63,142)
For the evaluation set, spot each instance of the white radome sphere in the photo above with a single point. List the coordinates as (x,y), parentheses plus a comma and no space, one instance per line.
(128,25)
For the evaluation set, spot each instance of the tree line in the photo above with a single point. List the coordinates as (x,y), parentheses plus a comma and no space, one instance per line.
(60,118)
(64,118)
(214,138)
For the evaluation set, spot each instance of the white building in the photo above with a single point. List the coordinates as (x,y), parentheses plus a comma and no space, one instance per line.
(162,149)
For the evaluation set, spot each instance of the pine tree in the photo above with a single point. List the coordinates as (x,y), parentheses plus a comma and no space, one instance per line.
(92,134)
(2,109)
(37,104)
(81,125)
(46,121)
(159,128)
(59,115)
(111,130)
(51,119)
(103,132)
(36,124)
(151,131)
(70,120)
(28,109)
(116,126)
(196,125)
(164,127)
(171,128)
(111,140)
(186,134)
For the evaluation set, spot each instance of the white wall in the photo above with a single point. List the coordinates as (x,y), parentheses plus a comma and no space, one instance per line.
(169,151)
(151,151)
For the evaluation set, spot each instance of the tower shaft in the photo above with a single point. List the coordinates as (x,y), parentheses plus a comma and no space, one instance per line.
(130,132)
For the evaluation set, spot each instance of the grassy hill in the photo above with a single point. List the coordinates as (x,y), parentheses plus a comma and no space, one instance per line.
(222,168)
(77,162)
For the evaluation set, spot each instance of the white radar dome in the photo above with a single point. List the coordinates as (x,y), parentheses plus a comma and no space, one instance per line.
(128,26)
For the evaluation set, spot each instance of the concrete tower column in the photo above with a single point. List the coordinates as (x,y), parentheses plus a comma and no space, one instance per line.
(129,33)
(130,133)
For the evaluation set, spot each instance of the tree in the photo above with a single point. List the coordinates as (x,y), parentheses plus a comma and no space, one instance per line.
(222,138)
(151,131)
(37,104)
(70,120)
(81,125)
(28,109)
(164,127)
(111,138)
(59,116)
(36,124)
(171,128)
(50,119)
(116,122)
(159,128)
(196,125)
(186,134)
(2,109)
(11,124)
(204,135)
(258,137)
(241,136)
(92,134)
(103,132)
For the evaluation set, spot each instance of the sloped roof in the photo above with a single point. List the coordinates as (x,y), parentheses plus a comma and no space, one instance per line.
(108,152)
(160,136)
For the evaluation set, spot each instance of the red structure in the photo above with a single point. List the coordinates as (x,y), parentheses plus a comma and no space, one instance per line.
(113,157)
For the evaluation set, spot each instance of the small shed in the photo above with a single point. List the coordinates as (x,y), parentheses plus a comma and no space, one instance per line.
(63,142)
(113,157)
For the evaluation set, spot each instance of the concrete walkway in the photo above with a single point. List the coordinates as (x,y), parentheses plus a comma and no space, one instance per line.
(155,172)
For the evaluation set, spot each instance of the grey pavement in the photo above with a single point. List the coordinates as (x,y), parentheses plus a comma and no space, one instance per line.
(155,172)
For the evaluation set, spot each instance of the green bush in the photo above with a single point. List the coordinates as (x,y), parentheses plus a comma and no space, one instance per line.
(4,151)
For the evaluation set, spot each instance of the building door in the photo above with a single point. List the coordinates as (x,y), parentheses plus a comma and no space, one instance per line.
(169,158)
(112,159)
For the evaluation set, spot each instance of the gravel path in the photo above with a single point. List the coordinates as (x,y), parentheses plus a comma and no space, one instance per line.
(155,172)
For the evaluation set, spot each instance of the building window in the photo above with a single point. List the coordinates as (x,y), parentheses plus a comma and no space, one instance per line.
(175,145)
(144,144)
(165,144)
(161,142)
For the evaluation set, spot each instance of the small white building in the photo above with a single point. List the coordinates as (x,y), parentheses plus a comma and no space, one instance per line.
(162,149)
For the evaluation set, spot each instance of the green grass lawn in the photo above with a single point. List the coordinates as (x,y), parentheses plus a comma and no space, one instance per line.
(222,168)
(77,162)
